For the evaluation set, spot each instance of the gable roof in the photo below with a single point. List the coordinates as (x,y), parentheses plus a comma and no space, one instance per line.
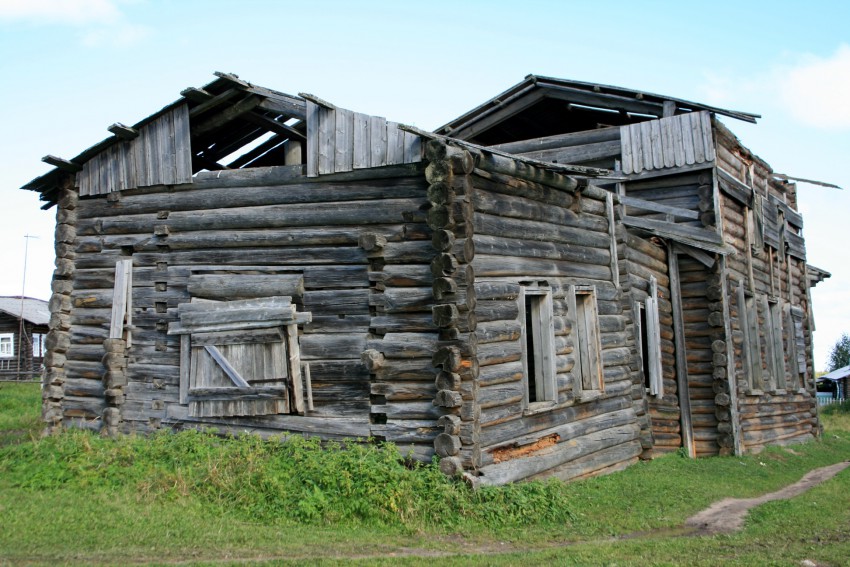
(226,115)
(533,105)
(34,310)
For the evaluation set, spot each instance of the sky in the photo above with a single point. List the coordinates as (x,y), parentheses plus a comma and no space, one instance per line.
(73,67)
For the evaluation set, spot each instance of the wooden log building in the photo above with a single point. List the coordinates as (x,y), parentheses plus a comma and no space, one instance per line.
(23,330)
(566,279)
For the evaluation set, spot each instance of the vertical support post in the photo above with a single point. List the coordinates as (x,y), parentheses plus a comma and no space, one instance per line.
(681,355)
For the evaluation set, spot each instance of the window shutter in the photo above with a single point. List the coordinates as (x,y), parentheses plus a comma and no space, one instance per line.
(240,358)
(653,324)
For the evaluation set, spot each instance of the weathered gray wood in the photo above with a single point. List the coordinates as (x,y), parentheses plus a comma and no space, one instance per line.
(560,141)
(344,141)
(293,353)
(517,469)
(226,366)
(244,286)
(681,357)
(122,296)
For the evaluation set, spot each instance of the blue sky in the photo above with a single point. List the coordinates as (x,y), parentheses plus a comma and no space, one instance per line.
(73,67)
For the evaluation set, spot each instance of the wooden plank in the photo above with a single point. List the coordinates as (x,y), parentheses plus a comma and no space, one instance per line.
(707,138)
(612,231)
(657,144)
(658,207)
(395,144)
(412,148)
(120,294)
(312,139)
(344,141)
(377,141)
(362,145)
(667,141)
(696,134)
(646,144)
(226,366)
(294,361)
(678,142)
(626,150)
(637,149)
(185,367)
(327,136)
(687,138)
(681,355)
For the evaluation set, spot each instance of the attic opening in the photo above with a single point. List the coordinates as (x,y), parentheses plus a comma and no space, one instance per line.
(234,125)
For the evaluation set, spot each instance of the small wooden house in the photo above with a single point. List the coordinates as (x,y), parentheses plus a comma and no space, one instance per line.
(566,279)
(23,328)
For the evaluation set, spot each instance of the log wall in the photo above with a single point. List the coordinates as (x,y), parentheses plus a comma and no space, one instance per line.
(782,408)
(255,233)
(527,232)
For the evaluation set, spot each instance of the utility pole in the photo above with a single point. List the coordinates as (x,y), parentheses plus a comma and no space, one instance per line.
(22,338)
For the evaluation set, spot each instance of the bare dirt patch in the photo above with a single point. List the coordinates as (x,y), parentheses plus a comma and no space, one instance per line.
(727,515)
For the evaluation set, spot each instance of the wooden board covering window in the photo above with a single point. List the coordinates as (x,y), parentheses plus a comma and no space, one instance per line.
(583,315)
(653,342)
(240,358)
(538,349)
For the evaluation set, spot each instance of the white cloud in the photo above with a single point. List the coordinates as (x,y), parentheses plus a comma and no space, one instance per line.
(74,12)
(817,90)
(102,23)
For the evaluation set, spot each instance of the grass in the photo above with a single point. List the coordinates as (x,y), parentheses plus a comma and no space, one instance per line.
(80,499)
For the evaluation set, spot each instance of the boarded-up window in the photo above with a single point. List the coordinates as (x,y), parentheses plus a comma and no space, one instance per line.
(538,333)
(796,346)
(240,358)
(773,334)
(751,347)
(650,342)
(584,321)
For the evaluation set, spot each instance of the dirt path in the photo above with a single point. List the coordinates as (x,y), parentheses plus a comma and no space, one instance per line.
(728,514)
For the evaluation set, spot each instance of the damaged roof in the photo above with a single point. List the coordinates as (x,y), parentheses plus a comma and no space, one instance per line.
(540,106)
(225,115)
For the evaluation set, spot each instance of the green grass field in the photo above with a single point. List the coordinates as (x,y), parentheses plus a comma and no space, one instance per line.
(195,498)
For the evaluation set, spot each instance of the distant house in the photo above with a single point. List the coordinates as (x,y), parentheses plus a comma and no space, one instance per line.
(834,384)
(561,281)
(23,328)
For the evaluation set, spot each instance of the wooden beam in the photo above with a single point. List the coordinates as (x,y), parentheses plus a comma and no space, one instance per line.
(227,115)
(275,126)
(253,154)
(207,101)
(124,132)
(62,164)
(207,163)
(316,100)
(681,355)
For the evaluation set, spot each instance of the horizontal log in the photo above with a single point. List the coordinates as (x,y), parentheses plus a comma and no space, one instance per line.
(518,469)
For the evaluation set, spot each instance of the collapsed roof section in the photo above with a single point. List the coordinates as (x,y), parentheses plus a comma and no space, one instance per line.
(544,106)
(231,123)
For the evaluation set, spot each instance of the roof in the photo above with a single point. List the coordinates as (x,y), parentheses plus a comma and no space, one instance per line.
(836,374)
(560,96)
(226,115)
(34,310)
(816,275)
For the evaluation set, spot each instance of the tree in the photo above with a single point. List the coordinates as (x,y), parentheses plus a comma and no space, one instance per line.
(839,356)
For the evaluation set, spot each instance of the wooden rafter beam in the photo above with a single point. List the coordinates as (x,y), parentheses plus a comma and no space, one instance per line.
(274,126)
(124,132)
(62,164)
(253,154)
(229,114)
(205,163)
(207,100)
